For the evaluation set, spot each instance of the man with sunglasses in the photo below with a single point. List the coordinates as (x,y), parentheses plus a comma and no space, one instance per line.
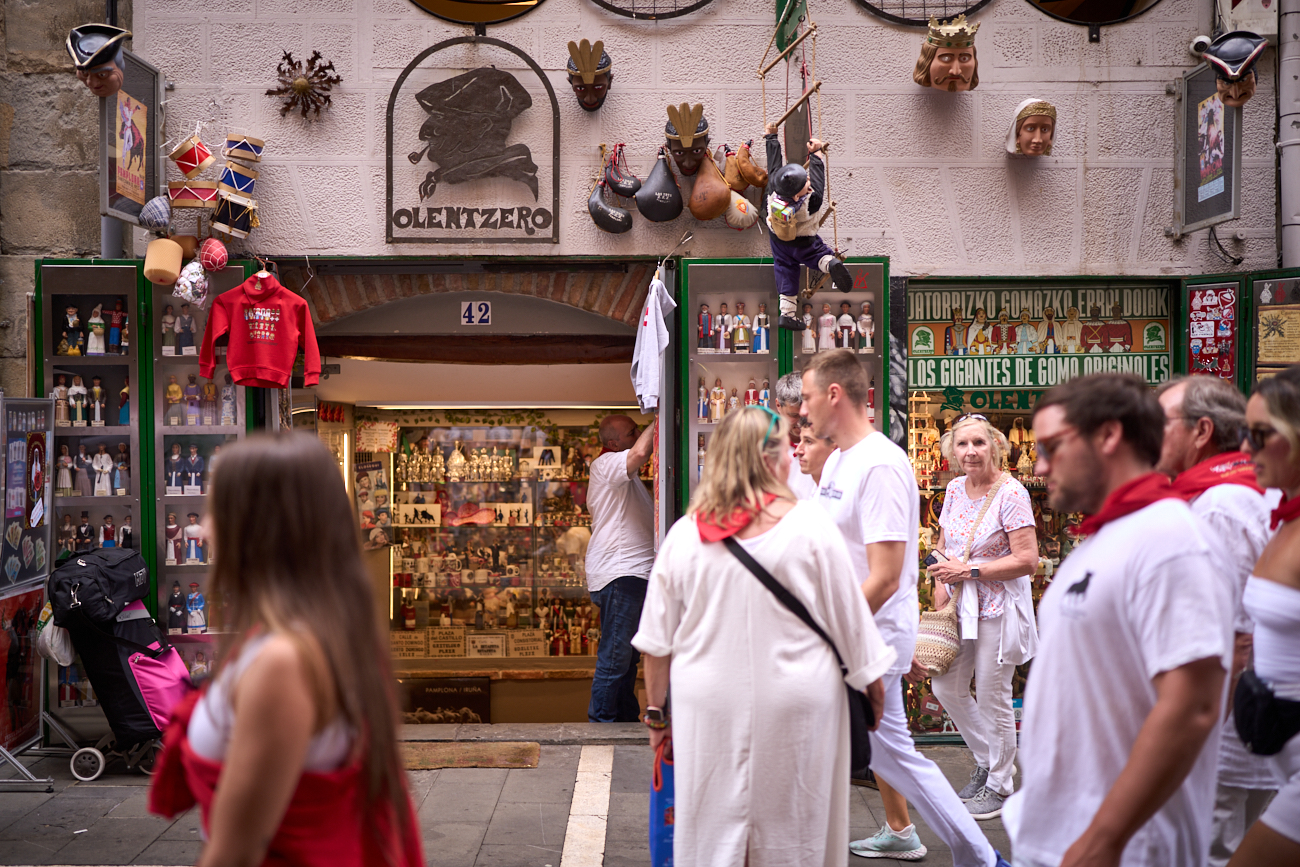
(869,490)
(1119,746)
(1204,416)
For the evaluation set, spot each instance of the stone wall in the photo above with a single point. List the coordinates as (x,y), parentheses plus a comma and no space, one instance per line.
(920,176)
(49,159)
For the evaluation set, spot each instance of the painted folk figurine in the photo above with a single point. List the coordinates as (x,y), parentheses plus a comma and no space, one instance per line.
(97,329)
(98,402)
(102,464)
(809,342)
(174,466)
(84,540)
(72,332)
(229,415)
(722,325)
(124,403)
(193,540)
(63,486)
(176,610)
(122,470)
(77,399)
(1033,128)
(765,394)
(62,418)
(826,327)
(751,394)
(168,324)
(126,534)
(184,330)
(116,326)
(191,393)
(866,329)
(108,533)
(84,467)
(762,331)
(733,402)
(194,469)
(848,327)
(741,334)
(172,533)
(173,397)
(717,401)
(793,207)
(196,617)
(704,330)
(1027,334)
(67,536)
(1072,331)
(702,402)
(96,52)
(208,402)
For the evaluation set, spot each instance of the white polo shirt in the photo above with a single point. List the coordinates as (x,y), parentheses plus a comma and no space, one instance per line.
(622,523)
(1138,598)
(870,493)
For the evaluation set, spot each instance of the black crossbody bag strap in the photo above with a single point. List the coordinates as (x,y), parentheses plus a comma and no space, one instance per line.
(163,644)
(785,596)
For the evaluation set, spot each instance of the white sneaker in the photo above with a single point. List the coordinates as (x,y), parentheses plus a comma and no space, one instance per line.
(978,778)
(987,804)
(902,845)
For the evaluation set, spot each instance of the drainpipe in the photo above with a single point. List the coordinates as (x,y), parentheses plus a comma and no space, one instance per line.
(110,228)
(1288,107)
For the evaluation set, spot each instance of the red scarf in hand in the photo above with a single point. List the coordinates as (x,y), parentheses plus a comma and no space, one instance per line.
(1128,498)
(1287,510)
(1229,468)
(714,530)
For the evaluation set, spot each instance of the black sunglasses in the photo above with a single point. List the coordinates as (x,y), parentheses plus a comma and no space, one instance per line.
(1258,437)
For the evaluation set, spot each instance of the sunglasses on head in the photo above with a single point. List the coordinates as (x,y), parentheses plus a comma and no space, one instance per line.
(961,418)
(774,417)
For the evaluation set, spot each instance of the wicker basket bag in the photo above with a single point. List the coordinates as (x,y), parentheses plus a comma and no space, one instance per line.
(938,638)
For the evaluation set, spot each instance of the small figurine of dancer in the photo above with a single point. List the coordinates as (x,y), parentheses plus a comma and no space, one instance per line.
(196,619)
(809,342)
(762,331)
(702,404)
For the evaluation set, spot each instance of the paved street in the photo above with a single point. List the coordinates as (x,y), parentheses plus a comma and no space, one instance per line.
(468,817)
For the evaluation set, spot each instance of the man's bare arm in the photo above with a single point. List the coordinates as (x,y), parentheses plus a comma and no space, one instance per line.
(885,562)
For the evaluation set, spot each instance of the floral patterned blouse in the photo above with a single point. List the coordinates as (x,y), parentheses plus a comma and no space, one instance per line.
(1011,511)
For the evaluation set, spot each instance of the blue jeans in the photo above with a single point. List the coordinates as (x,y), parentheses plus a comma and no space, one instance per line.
(613,687)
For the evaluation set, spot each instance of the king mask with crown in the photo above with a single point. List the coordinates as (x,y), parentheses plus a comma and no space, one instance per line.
(948,60)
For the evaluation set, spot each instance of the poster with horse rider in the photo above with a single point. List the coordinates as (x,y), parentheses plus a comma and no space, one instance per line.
(132,121)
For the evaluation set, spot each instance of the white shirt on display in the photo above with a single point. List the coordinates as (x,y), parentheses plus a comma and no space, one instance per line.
(651,340)
(622,523)
(1137,599)
(870,493)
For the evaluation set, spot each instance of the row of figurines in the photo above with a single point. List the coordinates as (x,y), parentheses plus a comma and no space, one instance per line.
(202,404)
(84,537)
(78,406)
(733,332)
(486,562)
(188,471)
(829,331)
(97,475)
(187,613)
(186,545)
(430,468)
(713,404)
(103,333)
(493,609)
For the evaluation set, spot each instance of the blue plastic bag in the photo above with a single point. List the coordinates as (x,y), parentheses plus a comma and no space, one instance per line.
(661,807)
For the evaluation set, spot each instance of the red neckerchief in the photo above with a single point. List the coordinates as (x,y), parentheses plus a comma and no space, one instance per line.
(1229,468)
(606,450)
(1128,498)
(713,530)
(1286,510)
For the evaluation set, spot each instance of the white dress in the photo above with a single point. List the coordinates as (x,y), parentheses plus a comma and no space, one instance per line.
(760,716)
(103,466)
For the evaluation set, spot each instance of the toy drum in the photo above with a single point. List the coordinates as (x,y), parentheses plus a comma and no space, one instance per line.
(235,215)
(192,156)
(192,194)
(237,179)
(243,147)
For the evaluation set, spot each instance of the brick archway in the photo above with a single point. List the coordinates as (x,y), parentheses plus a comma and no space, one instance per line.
(617,293)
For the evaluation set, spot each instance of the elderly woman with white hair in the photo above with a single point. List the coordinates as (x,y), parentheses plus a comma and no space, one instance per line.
(989,549)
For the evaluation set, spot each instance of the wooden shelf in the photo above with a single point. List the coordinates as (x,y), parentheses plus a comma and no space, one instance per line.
(102,431)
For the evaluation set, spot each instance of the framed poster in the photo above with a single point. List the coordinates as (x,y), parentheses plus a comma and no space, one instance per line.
(1212,329)
(131,168)
(19,683)
(1207,187)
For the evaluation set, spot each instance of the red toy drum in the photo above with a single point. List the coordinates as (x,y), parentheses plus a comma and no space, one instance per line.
(192,156)
(236,215)
(192,194)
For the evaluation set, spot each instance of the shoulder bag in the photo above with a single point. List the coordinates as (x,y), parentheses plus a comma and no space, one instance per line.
(1264,721)
(938,638)
(861,716)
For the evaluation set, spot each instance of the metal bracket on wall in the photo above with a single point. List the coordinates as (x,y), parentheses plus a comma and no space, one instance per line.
(1094,32)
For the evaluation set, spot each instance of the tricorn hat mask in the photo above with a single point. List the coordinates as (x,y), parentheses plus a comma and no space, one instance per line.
(96,52)
(1233,57)
(590,73)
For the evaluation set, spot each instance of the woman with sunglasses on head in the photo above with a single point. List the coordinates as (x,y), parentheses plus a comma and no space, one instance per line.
(1272,599)
(759,723)
(988,548)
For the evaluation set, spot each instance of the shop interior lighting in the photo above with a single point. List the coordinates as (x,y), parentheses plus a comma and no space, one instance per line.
(496,405)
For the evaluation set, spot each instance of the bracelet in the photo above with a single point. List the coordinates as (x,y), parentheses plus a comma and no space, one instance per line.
(657,725)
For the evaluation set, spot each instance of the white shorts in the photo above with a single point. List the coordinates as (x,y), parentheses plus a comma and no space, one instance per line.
(1283,815)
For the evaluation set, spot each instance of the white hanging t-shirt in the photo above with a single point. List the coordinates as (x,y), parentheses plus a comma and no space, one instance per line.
(622,523)
(1137,599)
(870,492)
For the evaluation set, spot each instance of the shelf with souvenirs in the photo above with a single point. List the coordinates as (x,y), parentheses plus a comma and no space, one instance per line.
(488,526)
(931,414)
(26,546)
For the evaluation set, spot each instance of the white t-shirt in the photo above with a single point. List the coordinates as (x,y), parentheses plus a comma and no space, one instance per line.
(870,493)
(799,482)
(1136,599)
(622,523)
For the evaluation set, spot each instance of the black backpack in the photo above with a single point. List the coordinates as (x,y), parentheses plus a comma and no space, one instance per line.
(98,584)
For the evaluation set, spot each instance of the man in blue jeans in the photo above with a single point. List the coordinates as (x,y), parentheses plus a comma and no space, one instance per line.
(619,558)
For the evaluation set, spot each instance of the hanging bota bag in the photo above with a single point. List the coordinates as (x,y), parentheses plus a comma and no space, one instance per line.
(608,217)
(753,174)
(618,175)
(660,199)
(741,213)
(731,172)
(710,196)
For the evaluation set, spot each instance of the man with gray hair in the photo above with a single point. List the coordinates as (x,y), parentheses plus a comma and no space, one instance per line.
(788,397)
(619,557)
(1204,420)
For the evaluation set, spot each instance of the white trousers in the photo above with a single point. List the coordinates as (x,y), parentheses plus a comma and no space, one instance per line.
(894,757)
(988,725)
(1235,810)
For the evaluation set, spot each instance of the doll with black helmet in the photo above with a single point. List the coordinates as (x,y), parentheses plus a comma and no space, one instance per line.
(794,198)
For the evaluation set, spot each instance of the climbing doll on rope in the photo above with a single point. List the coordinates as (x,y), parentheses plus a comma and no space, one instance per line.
(794,198)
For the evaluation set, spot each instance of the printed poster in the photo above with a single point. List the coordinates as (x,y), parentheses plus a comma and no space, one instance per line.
(132,126)
(1212,329)
(374,505)
(1210,141)
(19,664)
(1279,334)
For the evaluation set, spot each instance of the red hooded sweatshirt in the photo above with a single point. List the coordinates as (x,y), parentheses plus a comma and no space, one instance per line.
(266,323)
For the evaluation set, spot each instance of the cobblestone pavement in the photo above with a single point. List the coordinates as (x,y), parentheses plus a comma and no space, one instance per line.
(468,817)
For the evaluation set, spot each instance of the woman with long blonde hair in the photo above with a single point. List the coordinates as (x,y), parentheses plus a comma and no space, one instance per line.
(291,751)
(759,719)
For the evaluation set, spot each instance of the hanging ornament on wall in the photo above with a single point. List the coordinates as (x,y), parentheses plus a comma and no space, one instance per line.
(687,132)
(618,174)
(609,218)
(590,73)
(1233,57)
(156,215)
(96,52)
(948,61)
(213,255)
(1032,129)
(660,199)
(304,87)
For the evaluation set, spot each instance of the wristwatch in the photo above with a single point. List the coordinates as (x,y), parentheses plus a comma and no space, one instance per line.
(974,571)
(655,718)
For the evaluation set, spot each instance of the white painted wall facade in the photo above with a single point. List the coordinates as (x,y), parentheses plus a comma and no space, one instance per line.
(920,176)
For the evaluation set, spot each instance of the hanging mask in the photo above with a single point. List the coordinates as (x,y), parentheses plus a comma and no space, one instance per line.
(590,73)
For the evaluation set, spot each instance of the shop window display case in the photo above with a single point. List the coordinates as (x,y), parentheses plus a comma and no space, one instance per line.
(193,419)
(486,527)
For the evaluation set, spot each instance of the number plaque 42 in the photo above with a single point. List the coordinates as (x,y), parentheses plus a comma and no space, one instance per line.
(476,313)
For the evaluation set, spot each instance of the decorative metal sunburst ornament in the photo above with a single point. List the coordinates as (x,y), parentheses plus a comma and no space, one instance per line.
(305,88)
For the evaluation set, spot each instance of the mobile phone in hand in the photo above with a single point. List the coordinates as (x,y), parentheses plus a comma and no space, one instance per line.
(936,557)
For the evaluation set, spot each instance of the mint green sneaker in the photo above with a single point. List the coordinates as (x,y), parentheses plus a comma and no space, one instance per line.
(902,845)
